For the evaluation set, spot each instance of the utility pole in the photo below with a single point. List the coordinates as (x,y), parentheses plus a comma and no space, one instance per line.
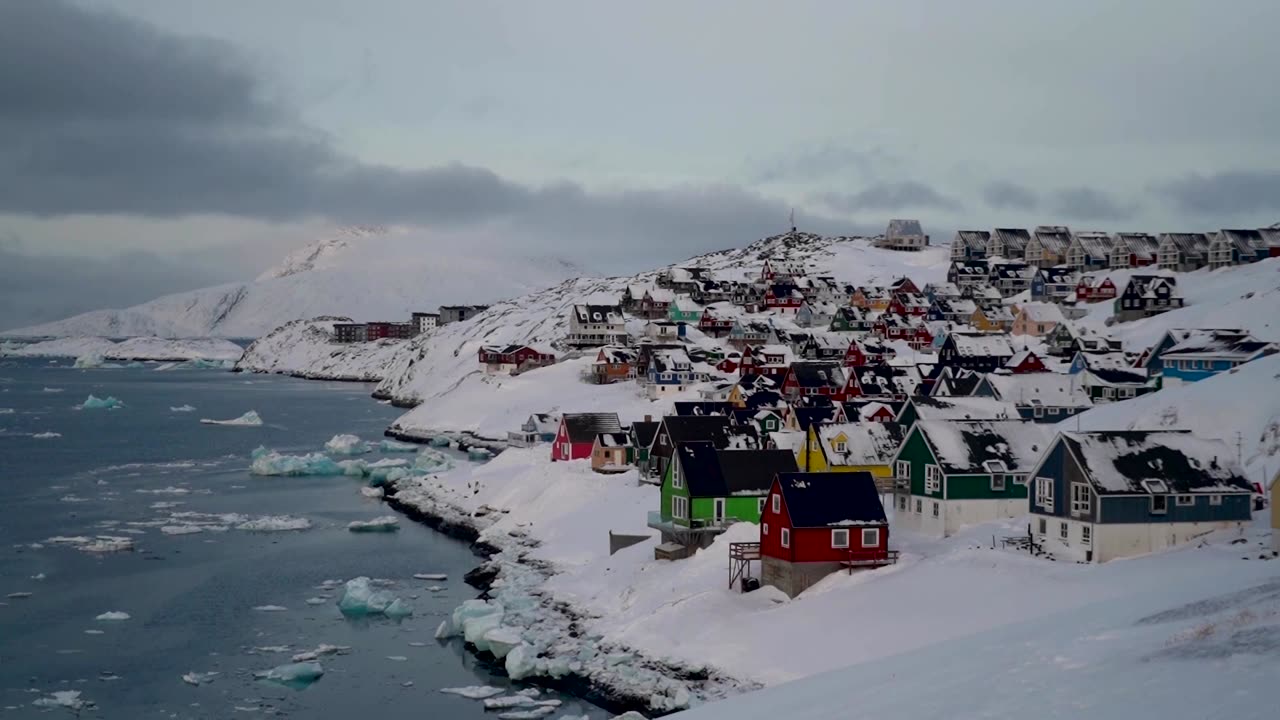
(1239,448)
(793,220)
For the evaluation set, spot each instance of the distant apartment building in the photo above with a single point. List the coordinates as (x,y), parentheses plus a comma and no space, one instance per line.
(458,313)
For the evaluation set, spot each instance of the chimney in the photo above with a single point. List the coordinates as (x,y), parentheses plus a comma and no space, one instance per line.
(648,418)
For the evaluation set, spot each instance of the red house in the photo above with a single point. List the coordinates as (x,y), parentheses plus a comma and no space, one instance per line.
(786,298)
(768,360)
(1087,291)
(1025,362)
(514,358)
(816,523)
(865,353)
(577,434)
(711,325)
(815,379)
(905,328)
(906,303)
(903,284)
(730,363)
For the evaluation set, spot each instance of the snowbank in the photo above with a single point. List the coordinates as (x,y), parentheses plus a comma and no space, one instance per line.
(305,348)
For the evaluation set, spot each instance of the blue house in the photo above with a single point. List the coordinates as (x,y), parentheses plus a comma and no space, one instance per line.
(1053,284)
(1098,496)
(1187,355)
(1044,397)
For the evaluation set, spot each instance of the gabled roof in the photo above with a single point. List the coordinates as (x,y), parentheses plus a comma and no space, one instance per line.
(1095,244)
(612,354)
(961,408)
(958,306)
(1116,377)
(864,409)
(986,446)
(1047,389)
(598,313)
(1191,245)
(708,472)
(945,289)
(1144,462)
(831,499)
(661,295)
(1248,242)
(1014,239)
(1227,344)
(981,344)
(818,374)
(583,427)
(815,415)
(904,228)
(1057,274)
(1011,271)
(886,379)
(692,428)
(614,439)
(1054,238)
(976,239)
(685,304)
(1042,312)
(670,360)
(1144,245)
(865,443)
(644,432)
(685,408)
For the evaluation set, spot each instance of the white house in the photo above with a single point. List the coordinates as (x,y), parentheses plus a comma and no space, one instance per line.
(595,325)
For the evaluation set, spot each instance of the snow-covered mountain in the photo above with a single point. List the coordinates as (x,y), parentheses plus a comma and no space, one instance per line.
(364,273)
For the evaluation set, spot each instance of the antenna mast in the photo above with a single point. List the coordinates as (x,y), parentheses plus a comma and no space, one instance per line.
(793,219)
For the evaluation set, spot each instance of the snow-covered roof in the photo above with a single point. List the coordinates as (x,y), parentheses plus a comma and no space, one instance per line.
(976,239)
(1014,239)
(598,313)
(684,303)
(1042,312)
(863,443)
(1046,388)
(982,344)
(1227,344)
(613,440)
(962,408)
(904,228)
(1054,238)
(1142,461)
(670,360)
(1094,243)
(979,446)
(1191,245)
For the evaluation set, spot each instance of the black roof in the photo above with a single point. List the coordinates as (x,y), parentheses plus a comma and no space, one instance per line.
(686,408)
(807,416)
(709,472)
(644,432)
(1116,376)
(764,398)
(818,374)
(829,499)
(583,427)
(693,428)
(853,408)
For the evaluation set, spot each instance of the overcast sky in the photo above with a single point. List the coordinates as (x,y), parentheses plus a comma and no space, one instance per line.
(155,145)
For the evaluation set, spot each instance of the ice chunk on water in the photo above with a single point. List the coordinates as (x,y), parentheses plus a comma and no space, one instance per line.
(270,608)
(294,675)
(359,598)
(386,523)
(372,492)
(346,445)
(502,640)
(429,460)
(87,361)
(320,651)
(182,408)
(390,446)
(181,529)
(275,523)
(430,576)
(473,692)
(96,403)
(273,463)
(249,419)
(195,678)
(315,601)
(474,629)
(479,454)
(439,441)
(520,662)
(113,615)
(530,714)
(69,699)
(46,435)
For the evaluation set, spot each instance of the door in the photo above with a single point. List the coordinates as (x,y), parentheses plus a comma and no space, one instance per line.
(719,511)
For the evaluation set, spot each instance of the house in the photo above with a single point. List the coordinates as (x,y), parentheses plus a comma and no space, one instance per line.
(755,391)
(827,289)
(1201,353)
(684,310)
(665,330)
(1008,243)
(1094,289)
(1010,278)
(539,427)
(655,302)
(711,291)
(903,235)
(814,524)
(1040,397)
(1133,249)
(388,331)
(1061,340)
(871,411)
(458,313)
(612,452)
(1115,360)
(852,447)
(675,430)
(823,347)
(983,352)
(1089,250)
(908,304)
(950,409)
(764,420)
(1048,246)
(684,408)
(968,273)
(1052,284)
(1024,362)
(347,332)
(783,297)
(644,357)
(801,417)
(958,310)
(950,474)
(576,435)
(772,361)
(1183,252)
(867,352)
(781,271)
(670,371)
(682,279)
(881,382)
(1037,319)
(425,323)
(713,325)
(1112,494)
(941,291)
(631,297)
(806,379)
(1236,247)
(850,318)
(954,383)
(992,319)
(1270,241)
(1147,295)
(706,489)
(595,325)
(817,314)
(970,244)
(642,435)
(514,359)
(613,364)
(1107,384)
(870,298)
(742,335)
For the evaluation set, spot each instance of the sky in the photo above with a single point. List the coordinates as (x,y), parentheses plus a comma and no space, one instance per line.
(151,146)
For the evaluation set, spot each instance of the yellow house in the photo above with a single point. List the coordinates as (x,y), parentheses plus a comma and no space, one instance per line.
(852,447)
(993,319)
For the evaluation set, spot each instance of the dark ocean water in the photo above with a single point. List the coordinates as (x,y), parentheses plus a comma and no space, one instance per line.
(191,597)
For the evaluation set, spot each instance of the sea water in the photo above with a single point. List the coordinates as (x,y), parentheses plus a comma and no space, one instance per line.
(201,594)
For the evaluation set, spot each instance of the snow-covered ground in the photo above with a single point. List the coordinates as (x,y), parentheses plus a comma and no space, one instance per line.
(305,348)
(138,348)
(364,273)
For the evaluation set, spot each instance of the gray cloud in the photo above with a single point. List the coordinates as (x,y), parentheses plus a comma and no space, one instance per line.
(1234,191)
(1004,195)
(889,196)
(1085,203)
(822,162)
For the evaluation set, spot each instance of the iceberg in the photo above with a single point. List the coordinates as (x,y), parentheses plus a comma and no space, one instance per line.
(275,464)
(473,692)
(293,675)
(249,419)
(69,699)
(113,615)
(394,446)
(502,641)
(89,360)
(97,403)
(386,523)
(275,523)
(479,454)
(372,492)
(359,599)
(195,678)
(439,441)
(346,445)
(432,461)
(182,408)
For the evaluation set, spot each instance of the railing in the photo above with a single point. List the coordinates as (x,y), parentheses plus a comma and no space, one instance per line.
(691,527)
(859,558)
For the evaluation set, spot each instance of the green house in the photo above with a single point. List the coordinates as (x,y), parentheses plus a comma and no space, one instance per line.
(953,473)
(705,490)
(684,310)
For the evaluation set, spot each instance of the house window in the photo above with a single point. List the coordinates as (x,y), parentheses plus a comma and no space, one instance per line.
(1044,493)
(1215,499)
(918,506)
(997,482)
(776,503)
(932,479)
(1064,531)
(840,446)
(764,529)
(1186,500)
(813,445)
(677,481)
(902,470)
(1086,535)
(840,538)
(680,507)
(902,502)
(1081,500)
(785,538)
(935,509)
(871,537)
(1159,504)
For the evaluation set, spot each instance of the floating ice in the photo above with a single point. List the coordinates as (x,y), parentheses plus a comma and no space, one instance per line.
(273,463)
(435,588)
(195,678)
(294,675)
(181,529)
(479,454)
(439,441)
(474,692)
(91,360)
(183,408)
(320,651)
(359,598)
(520,662)
(391,446)
(96,403)
(502,641)
(397,658)
(249,419)
(170,490)
(69,699)
(275,523)
(18,595)
(346,445)
(316,601)
(164,505)
(430,576)
(386,470)
(429,460)
(270,608)
(113,616)
(94,632)
(96,544)
(49,389)
(530,714)
(6,411)
(46,435)
(372,492)
(386,523)
(73,499)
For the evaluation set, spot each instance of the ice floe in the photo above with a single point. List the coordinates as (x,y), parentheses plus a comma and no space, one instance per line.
(198,678)
(46,435)
(429,460)
(386,523)
(94,402)
(182,408)
(270,608)
(69,699)
(113,616)
(249,419)
(53,390)
(170,490)
(316,601)
(346,445)
(95,544)
(360,598)
(390,446)
(274,523)
(320,651)
(276,464)
(18,595)
(430,576)
(372,492)
(474,692)
(294,675)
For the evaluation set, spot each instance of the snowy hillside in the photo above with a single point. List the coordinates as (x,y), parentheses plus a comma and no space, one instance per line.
(303,348)
(140,348)
(365,274)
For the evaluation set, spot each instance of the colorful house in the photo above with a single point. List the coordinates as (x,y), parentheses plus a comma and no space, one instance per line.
(992,319)
(612,452)
(1105,495)
(1037,319)
(1053,284)
(1109,385)
(1133,249)
(713,325)
(852,447)
(1090,289)
(984,352)
(1147,295)
(706,489)
(784,298)
(577,433)
(1048,246)
(1089,250)
(814,524)
(970,244)
(642,435)
(1008,243)
(671,371)
(1043,397)
(538,427)
(815,379)
(1183,356)
(1183,252)
(951,474)
(514,359)
(684,310)
(613,364)
(955,408)
(1024,362)
(675,430)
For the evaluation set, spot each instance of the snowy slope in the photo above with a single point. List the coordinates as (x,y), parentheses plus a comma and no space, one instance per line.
(304,348)
(364,274)
(141,348)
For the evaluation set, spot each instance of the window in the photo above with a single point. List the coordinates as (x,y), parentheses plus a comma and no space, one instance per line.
(1159,504)
(1044,526)
(1064,531)
(840,446)
(813,445)
(935,509)
(870,537)
(932,479)
(677,481)
(840,538)
(1086,535)
(997,482)
(785,537)
(903,470)
(760,506)
(918,506)
(764,529)
(1215,499)
(1039,411)
(1186,500)
(680,507)
(1081,500)
(1053,411)
(1044,493)
(902,503)
(776,503)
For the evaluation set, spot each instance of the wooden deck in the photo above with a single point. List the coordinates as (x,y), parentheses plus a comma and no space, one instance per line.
(741,554)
